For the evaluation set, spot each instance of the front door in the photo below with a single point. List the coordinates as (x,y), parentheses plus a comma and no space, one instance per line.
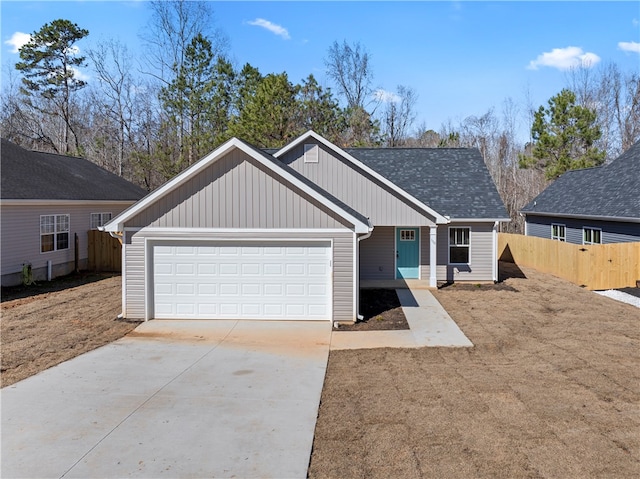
(407,253)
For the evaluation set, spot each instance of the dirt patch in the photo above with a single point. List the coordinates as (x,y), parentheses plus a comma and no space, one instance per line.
(381,311)
(42,330)
(551,389)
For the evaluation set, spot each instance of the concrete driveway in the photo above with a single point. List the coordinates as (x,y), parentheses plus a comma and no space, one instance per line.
(173,399)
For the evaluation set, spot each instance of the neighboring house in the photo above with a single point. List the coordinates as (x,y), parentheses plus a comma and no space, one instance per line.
(290,235)
(590,206)
(45,200)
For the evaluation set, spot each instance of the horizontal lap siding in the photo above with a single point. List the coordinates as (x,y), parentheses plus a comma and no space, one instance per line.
(342,264)
(237,192)
(612,232)
(356,189)
(377,254)
(21,233)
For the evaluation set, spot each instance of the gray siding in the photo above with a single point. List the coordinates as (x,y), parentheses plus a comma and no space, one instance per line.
(236,192)
(20,237)
(612,232)
(377,254)
(361,192)
(342,265)
(480,266)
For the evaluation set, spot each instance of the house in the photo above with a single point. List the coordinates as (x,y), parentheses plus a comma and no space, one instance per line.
(590,206)
(45,201)
(290,235)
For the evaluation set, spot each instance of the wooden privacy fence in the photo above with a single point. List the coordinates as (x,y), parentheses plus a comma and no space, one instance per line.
(606,266)
(105,252)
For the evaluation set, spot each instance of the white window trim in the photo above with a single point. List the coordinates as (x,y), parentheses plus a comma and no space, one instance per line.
(103,221)
(56,232)
(559,238)
(449,244)
(584,230)
(408,232)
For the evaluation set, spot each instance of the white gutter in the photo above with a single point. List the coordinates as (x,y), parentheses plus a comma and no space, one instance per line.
(357,272)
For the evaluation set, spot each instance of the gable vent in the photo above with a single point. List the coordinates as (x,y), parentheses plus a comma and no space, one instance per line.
(310,153)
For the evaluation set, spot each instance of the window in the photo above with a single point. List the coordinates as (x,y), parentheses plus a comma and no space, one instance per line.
(459,245)
(407,235)
(558,232)
(54,233)
(99,219)
(591,236)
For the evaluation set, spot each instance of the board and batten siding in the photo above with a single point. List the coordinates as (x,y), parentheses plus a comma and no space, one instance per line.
(342,267)
(612,232)
(481,245)
(236,192)
(20,237)
(363,193)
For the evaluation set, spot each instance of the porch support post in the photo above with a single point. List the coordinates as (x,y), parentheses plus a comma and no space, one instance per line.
(433,248)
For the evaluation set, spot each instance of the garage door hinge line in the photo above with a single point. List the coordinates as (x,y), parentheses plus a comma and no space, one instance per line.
(150,398)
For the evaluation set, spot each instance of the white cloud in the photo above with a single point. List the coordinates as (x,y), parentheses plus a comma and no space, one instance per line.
(386,96)
(272,27)
(17,40)
(79,75)
(565,59)
(629,46)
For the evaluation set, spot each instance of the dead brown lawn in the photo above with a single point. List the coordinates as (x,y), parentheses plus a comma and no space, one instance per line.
(551,389)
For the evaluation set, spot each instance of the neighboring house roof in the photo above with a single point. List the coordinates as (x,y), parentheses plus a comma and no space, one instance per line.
(31,175)
(439,218)
(608,192)
(453,181)
(361,224)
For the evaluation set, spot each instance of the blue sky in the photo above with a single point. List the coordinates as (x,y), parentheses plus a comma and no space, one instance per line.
(462,57)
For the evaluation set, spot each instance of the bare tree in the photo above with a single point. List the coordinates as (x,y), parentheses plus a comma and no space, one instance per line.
(349,67)
(398,116)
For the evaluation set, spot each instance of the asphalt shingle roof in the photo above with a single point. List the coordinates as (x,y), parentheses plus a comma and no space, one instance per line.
(31,175)
(611,191)
(454,182)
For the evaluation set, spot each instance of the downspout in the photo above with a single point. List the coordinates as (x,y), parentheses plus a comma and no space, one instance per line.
(360,238)
(495,252)
(119,236)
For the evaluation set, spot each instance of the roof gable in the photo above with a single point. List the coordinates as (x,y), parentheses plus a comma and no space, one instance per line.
(344,153)
(31,175)
(360,223)
(610,191)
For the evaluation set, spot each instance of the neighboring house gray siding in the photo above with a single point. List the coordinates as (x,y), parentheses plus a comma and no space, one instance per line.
(135,264)
(377,254)
(481,243)
(20,237)
(236,192)
(612,232)
(363,193)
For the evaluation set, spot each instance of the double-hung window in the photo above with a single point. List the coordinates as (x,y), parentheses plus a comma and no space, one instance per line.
(558,232)
(54,233)
(591,236)
(99,219)
(459,245)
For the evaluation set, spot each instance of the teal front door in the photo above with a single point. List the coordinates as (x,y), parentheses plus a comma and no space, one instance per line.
(407,253)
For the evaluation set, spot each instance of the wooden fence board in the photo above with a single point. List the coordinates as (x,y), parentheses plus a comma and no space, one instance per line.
(105,252)
(595,267)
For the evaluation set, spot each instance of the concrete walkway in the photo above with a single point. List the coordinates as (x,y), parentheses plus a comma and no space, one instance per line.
(429,323)
(186,399)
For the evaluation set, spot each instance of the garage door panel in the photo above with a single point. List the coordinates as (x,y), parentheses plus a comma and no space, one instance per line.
(268,281)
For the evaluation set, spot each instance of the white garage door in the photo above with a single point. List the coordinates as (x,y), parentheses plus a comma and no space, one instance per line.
(200,280)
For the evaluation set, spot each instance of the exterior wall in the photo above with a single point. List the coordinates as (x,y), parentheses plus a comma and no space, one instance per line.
(20,237)
(377,253)
(480,267)
(236,192)
(361,192)
(135,267)
(612,232)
